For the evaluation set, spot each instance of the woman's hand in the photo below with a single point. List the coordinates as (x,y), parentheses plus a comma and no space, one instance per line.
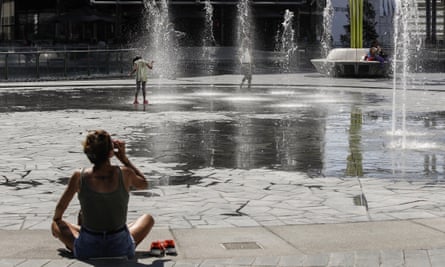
(119,151)
(137,178)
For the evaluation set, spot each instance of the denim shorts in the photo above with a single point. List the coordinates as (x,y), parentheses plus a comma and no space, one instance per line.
(97,245)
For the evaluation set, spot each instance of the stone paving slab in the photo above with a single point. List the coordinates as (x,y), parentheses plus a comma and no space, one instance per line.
(363,244)
(385,235)
(202,206)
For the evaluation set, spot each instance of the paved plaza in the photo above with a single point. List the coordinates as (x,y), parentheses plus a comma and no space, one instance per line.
(231,216)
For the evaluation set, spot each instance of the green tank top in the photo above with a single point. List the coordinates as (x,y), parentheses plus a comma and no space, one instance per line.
(103,211)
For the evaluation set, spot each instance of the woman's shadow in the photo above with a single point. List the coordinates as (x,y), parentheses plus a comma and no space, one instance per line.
(102,262)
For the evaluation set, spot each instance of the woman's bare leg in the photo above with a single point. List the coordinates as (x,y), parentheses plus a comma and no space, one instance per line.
(141,227)
(66,232)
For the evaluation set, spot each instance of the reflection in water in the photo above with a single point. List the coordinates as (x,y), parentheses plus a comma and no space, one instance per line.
(422,150)
(242,143)
(86,98)
(430,161)
(429,164)
(190,127)
(360,200)
(354,160)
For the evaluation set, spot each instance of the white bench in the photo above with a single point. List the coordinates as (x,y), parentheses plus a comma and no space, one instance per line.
(349,62)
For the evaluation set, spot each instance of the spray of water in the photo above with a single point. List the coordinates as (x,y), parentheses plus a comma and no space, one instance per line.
(406,50)
(244,26)
(328,15)
(162,43)
(208,38)
(285,41)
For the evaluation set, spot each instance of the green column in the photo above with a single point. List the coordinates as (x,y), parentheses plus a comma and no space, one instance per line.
(356,22)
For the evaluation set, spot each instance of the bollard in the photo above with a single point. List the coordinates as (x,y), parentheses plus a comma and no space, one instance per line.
(88,61)
(65,56)
(6,65)
(120,61)
(108,62)
(38,65)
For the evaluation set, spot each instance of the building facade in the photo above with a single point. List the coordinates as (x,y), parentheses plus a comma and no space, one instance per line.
(121,21)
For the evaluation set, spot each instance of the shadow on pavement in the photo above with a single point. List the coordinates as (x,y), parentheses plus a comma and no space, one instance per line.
(127,263)
(117,262)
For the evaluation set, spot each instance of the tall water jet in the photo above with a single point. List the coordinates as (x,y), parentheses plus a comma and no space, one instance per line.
(162,42)
(208,38)
(244,32)
(407,44)
(326,37)
(285,41)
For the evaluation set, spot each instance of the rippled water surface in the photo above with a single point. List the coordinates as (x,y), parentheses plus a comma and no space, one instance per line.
(322,133)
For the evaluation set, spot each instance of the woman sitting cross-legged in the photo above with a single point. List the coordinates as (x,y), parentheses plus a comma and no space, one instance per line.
(103,193)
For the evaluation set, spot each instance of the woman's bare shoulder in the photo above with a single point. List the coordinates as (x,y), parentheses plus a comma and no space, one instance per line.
(78,173)
(81,171)
(126,171)
(74,181)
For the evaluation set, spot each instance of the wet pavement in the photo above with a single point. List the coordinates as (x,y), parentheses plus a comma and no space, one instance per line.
(318,129)
(294,151)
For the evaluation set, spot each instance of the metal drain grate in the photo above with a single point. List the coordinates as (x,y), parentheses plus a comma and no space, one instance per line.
(241,245)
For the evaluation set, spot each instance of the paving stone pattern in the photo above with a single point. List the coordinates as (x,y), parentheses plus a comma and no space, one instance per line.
(41,149)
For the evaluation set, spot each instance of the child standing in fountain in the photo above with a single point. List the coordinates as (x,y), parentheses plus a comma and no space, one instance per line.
(141,66)
(246,67)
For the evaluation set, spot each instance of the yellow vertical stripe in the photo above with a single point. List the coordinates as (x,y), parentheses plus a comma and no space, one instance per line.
(360,27)
(352,22)
(356,23)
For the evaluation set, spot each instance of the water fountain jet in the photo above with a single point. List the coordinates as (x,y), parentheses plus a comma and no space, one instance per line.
(285,41)
(208,39)
(162,43)
(406,48)
(328,15)
(244,27)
